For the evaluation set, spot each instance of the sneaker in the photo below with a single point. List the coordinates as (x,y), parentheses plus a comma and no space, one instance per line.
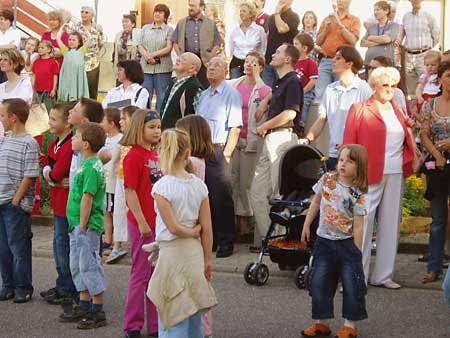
(44,294)
(133,334)
(92,321)
(115,255)
(57,299)
(74,314)
(6,294)
(19,299)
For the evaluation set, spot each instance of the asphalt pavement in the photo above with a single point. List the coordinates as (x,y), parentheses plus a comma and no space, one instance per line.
(277,309)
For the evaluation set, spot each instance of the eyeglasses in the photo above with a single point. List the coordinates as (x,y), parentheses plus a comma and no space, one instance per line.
(387,85)
(85,12)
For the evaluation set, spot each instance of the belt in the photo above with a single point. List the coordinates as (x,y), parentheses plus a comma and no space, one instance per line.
(219,145)
(275,130)
(417,51)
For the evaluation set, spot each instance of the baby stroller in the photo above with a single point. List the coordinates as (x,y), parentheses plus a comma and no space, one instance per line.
(300,168)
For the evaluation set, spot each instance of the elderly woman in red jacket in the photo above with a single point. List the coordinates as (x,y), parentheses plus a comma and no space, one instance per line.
(381,127)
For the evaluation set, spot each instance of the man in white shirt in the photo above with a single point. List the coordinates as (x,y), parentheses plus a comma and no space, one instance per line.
(421,33)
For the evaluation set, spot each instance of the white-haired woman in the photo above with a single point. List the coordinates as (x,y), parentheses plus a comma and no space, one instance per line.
(390,161)
(245,38)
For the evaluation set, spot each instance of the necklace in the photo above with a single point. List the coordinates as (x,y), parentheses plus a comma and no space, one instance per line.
(382,29)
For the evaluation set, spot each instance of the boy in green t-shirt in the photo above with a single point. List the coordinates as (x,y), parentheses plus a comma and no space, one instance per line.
(85,216)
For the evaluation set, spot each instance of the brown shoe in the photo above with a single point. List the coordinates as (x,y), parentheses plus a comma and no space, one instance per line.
(317,330)
(347,332)
(430,277)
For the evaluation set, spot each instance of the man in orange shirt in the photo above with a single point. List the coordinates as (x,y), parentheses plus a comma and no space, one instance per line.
(337,29)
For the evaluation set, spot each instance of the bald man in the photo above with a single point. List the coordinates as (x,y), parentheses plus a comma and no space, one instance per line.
(183,92)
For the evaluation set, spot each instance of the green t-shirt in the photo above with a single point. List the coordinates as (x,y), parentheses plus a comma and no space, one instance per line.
(89,179)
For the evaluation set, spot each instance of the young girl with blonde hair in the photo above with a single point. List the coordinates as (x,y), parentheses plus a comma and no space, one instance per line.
(141,171)
(184,234)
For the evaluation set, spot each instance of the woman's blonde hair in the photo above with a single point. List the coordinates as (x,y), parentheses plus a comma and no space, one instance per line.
(58,15)
(251,8)
(381,75)
(358,154)
(174,144)
(134,133)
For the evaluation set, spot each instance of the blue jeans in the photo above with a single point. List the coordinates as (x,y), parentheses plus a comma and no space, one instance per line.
(15,249)
(446,287)
(190,327)
(158,83)
(326,76)
(269,75)
(438,190)
(308,98)
(85,265)
(61,250)
(334,260)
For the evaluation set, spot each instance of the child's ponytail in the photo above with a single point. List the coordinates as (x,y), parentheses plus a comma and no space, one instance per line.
(174,143)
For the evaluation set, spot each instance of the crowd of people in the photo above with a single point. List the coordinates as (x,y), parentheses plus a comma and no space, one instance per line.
(187,178)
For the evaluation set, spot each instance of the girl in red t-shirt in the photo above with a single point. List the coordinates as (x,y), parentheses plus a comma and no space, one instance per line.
(45,71)
(141,170)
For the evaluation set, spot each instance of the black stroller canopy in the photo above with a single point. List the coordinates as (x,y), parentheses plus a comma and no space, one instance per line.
(300,168)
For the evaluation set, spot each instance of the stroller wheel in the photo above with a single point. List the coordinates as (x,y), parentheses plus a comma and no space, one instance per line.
(248,273)
(260,274)
(302,277)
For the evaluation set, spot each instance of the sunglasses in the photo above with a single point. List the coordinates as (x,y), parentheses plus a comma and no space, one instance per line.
(85,12)
(151,115)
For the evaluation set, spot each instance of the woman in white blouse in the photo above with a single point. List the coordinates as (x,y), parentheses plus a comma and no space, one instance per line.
(245,38)
(130,92)
(16,86)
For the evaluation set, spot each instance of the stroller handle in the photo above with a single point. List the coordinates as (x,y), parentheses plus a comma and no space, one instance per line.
(305,203)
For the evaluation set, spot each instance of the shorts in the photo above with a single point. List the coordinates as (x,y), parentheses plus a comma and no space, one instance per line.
(109,201)
(85,265)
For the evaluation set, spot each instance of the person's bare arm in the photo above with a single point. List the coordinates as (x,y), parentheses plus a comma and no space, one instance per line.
(55,85)
(310,216)
(358,229)
(85,210)
(166,212)
(177,48)
(59,35)
(206,236)
(135,207)
(310,85)
(429,146)
(419,92)
(232,141)
(349,36)
(164,51)
(317,127)
(25,184)
(282,27)
(380,39)
(367,43)
(322,35)
(280,120)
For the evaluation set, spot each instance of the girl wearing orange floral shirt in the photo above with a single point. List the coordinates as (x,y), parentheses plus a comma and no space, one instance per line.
(337,249)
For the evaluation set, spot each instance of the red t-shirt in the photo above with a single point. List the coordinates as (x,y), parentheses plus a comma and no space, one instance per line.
(59,158)
(306,70)
(64,38)
(263,21)
(44,70)
(141,170)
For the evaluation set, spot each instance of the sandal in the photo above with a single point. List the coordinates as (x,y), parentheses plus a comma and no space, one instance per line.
(317,330)
(347,332)
(430,277)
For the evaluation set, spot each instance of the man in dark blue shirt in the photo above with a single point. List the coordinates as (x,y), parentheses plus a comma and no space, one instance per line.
(285,108)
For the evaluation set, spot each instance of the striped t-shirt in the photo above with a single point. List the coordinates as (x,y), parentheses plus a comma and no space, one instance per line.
(19,158)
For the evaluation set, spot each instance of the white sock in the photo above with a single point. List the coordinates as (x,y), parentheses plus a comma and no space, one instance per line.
(349,323)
